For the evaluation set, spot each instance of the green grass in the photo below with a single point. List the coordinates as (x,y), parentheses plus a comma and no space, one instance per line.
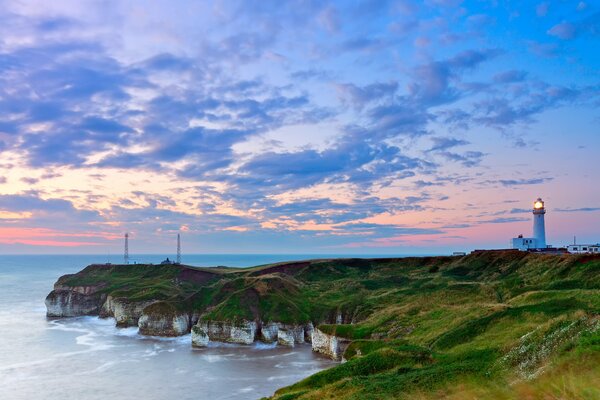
(418,327)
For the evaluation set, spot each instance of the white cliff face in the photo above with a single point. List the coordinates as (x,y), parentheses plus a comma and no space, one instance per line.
(246,332)
(199,337)
(284,334)
(85,290)
(164,325)
(329,345)
(181,324)
(67,303)
(268,332)
(288,335)
(242,332)
(126,313)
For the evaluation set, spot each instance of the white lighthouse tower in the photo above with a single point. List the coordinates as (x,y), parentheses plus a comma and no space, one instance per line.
(539,227)
(538,241)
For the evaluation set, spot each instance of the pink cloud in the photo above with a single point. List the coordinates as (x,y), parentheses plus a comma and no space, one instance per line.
(47,237)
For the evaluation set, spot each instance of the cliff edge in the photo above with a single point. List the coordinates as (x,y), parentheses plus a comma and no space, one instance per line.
(402,325)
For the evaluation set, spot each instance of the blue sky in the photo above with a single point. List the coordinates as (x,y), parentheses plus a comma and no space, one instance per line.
(297,126)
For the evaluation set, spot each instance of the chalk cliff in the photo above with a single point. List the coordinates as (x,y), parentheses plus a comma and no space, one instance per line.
(330,345)
(285,334)
(72,303)
(215,305)
(163,319)
(125,312)
(241,332)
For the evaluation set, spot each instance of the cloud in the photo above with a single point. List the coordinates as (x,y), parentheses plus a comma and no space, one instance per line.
(520,210)
(445,143)
(510,76)
(431,83)
(467,159)
(390,230)
(29,181)
(311,74)
(362,44)
(359,97)
(352,160)
(546,50)
(398,120)
(564,30)
(56,214)
(582,209)
(500,112)
(252,129)
(457,226)
(168,62)
(340,215)
(520,182)
(504,220)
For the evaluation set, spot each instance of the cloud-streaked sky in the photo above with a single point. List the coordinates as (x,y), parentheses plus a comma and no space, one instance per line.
(296,126)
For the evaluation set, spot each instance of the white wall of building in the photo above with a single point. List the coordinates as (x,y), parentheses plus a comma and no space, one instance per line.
(524,244)
(584,248)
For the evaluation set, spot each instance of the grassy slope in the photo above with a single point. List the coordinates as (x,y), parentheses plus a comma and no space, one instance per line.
(421,327)
(471,326)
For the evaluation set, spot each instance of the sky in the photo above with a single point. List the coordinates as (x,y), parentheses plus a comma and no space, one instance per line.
(298,126)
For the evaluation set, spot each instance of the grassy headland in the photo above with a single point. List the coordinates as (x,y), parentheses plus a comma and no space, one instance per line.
(497,325)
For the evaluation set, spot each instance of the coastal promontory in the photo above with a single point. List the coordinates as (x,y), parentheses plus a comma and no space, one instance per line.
(494,323)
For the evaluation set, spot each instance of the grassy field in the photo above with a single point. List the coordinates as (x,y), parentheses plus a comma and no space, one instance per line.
(490,325)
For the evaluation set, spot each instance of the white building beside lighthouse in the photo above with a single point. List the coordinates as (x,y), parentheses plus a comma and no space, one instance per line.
(538,241)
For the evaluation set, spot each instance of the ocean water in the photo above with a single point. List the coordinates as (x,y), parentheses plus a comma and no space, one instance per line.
(89,358)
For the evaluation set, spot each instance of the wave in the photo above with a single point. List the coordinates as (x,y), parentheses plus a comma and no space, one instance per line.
(264,346)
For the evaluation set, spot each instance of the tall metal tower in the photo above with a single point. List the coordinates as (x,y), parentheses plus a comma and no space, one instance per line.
(178,249)
(126,256)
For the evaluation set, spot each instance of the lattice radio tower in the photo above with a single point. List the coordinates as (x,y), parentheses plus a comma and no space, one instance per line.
(126,255)
(178,249)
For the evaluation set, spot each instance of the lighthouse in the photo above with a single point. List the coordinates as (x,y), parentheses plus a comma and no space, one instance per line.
(538,241)
(539,227)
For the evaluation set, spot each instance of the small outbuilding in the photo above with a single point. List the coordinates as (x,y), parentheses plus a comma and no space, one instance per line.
(584,248)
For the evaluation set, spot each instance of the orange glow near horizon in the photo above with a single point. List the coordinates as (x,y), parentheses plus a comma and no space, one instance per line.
(46,237)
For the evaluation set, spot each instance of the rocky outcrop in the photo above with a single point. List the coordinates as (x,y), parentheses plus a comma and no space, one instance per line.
(159,318)
(268,332)
(72,303)
(247,332)
(99,290)
(289,335)
(329,345)
(125,312)
(162,319)
(199,337)
(285,334)
(86,290)
(242,332)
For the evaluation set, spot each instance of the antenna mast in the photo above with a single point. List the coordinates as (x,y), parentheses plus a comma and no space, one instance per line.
(126,255)
(178,249)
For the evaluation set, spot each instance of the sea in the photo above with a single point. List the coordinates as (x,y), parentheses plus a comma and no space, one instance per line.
(89,358)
